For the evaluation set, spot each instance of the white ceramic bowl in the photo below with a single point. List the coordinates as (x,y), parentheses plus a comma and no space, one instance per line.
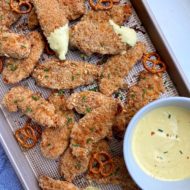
(145,181)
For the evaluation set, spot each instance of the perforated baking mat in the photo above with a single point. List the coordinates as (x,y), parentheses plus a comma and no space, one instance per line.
(38,163)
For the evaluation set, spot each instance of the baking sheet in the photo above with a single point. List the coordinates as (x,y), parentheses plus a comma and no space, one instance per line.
(40,165)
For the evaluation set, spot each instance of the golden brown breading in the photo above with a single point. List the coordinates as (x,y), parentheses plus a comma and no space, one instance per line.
(117,67)
(14,45)
(55,74)
(95,37)
(149,88)
(71,166)
(84,101)
(32,105)
(32,20)
(47,183)
(119,14)
(94,126)
(120,176)
(16,69)
(55,141)
(7,16)
(72,9)
(50,15)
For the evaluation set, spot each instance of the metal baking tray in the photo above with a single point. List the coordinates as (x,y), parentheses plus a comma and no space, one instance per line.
(28,165)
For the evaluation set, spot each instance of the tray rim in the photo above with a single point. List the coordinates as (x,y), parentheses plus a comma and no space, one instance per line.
(14,153)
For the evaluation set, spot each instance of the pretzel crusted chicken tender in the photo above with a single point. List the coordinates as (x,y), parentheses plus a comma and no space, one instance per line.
(32,105)
(14,45)
(72,166)
(117,67)
(18,69)
(47,183)
(55,74)
(97,33)
(72,9)
(93,127)
(54,25)
(86,101)
(55,140)
(149,88)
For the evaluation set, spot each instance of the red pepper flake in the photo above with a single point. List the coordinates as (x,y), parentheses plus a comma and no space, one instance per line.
(152,133)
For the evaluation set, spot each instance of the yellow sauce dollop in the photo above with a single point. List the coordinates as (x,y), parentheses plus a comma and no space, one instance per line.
(59,41)
(161,143)
(127,35)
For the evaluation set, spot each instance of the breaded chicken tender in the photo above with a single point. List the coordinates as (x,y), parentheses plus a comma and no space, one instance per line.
(93,127)
(14,45)
(7,16)
(94,34)
(71,166)
(119,14)
(84,101)
(32,105)
(54,24)
(73,9)
(55,140)
(65,75)
(93,37)
(47,183)
(120,176)
(148,89)
(117,67)
(18,69)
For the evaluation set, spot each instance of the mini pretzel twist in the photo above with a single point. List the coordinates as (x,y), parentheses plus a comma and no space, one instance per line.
(152,63)
(28,135)
(16,7)
(99,163)
(102,4)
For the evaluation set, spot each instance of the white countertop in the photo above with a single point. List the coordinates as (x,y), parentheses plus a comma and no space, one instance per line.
(173,17)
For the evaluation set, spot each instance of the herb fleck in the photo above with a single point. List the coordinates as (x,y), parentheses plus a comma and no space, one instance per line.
(28,110)
(160,130)
(46,69)
(36,98)
(69,120)
(72,78)
(169,116)
(92,129)
(75,145)
(13,67)
(180,152)
(83,98)
(61,92)
(165,152)
(88,140)
(88,110)
(78,166)
(46,76)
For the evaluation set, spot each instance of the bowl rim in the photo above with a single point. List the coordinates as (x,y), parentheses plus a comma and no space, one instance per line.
(142,179)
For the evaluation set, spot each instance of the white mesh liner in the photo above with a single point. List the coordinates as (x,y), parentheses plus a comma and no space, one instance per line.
(38,163)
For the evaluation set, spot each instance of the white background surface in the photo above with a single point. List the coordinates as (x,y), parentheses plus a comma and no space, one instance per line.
(173,17)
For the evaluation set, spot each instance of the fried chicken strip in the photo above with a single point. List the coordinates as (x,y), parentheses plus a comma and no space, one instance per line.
(54,25)
(148,89)
(117,67)
(47,183)
(95,35)
(14,45)
(86,101)
(65,75)
(7,16)
(32,105)
(73,9)
(93,127)
(119,14)
(72,166)
(16,69)
(55,140)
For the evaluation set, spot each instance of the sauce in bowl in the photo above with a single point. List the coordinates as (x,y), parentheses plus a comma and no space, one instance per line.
(161,143)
